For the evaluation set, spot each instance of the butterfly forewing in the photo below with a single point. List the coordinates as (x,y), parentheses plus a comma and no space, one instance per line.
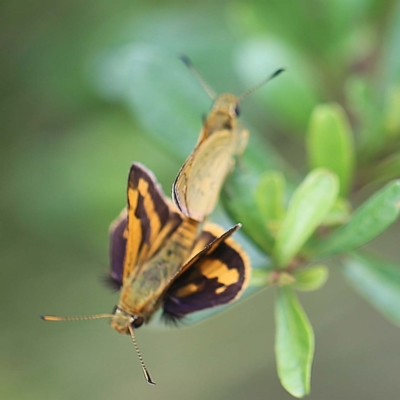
(214,276)
(150,220)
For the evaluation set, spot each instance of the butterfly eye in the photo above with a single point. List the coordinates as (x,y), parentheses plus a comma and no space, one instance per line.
(237,110)
(137,322)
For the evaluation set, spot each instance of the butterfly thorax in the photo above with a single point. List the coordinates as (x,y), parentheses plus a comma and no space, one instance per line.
(142,291)
(223,114)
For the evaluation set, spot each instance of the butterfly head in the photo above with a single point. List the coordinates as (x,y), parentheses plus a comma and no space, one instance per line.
(121,321)
(227,103)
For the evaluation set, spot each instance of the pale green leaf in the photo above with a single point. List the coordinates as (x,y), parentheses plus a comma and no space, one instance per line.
(269,196)
(294,344)
(330,143)
(312,278)
(339,213)
(308,207)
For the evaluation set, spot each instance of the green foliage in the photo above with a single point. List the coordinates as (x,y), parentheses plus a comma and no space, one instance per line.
(296,224)
(308,207)
(312,278)
(333,100)
(294,345)
(367,222)
(270,199)
(330,143)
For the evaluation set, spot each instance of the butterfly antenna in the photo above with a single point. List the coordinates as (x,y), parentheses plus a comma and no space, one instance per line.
(145,372)
(186,60)
(262,83)
(82,318)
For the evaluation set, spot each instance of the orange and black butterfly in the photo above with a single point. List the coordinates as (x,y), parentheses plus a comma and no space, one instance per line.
(161,259)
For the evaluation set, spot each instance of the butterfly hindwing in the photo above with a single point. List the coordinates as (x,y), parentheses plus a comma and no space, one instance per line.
(214,276)
(118,236)
(198,184)
(149,219)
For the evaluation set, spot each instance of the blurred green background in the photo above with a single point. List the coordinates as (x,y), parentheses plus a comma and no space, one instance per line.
(84,87)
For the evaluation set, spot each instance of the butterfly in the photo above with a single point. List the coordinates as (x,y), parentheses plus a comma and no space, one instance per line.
(161,259)
(221,141)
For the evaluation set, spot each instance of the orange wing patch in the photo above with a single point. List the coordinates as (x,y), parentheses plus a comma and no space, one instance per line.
(216,275)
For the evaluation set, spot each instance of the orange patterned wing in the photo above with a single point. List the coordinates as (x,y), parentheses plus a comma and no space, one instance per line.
(213,276)
(139,232)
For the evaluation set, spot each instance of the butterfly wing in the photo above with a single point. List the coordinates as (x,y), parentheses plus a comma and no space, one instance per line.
(139,232)
(197,187)
(214,276)
(118,236)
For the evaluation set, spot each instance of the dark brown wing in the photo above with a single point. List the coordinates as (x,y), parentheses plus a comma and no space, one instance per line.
(214,276)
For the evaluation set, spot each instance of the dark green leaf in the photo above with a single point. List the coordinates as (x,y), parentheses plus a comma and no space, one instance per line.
(294,345)
(368,221)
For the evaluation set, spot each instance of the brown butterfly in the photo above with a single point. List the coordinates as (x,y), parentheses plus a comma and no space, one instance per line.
(163,259)
(197,187)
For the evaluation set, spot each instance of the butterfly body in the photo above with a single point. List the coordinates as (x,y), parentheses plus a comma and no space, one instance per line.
(141,292)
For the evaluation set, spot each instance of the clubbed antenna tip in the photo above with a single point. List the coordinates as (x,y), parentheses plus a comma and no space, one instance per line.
(277,72)
(186,60)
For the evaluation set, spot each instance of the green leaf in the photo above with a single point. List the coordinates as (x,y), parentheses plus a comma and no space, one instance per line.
(330,143)
(339,213)
(377,280)
(309,279)
(260,277)
(269,196)
(242,207)
(294,344)
(308,207)
(368,221)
